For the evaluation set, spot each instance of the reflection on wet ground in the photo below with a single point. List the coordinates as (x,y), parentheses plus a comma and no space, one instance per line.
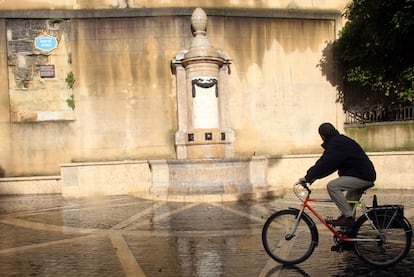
(47,235)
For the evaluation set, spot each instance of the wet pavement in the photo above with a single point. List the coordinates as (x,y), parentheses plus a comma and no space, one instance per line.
(47,235)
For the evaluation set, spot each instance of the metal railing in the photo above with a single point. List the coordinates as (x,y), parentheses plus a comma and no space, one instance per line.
(379,114)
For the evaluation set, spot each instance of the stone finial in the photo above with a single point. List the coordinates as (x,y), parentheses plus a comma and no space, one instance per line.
(200,46)
(199,21)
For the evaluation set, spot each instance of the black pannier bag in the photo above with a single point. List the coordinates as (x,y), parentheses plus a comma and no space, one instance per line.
(386,216)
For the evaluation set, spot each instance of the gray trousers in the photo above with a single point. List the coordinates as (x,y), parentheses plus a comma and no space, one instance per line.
(354,188)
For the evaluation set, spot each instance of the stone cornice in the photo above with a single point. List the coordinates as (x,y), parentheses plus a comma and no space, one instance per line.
(231,12)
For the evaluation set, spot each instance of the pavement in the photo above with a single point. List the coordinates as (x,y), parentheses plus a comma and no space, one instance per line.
(47,235)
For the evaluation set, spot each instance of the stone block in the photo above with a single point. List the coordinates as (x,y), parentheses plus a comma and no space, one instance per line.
(105,178)
(30,185)
(216,178)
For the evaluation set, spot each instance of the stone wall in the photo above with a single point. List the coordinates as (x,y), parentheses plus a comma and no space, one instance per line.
(125,102)
(122,4)
(394,170)
(31,185)
(5,130)
(384,136)
(231,179)
(39,84)
(105,178)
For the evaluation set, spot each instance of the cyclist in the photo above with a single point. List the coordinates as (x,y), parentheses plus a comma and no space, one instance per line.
(356,171)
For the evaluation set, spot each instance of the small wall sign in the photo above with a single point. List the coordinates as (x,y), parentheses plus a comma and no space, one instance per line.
(47,71)
(45,43)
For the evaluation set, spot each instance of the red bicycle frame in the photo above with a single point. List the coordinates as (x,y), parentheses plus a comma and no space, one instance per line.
(336,233)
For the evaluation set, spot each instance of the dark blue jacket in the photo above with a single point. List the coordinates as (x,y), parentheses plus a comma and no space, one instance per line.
(345,155)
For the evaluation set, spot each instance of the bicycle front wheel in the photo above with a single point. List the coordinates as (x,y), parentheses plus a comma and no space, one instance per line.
(283,243)
(387,245)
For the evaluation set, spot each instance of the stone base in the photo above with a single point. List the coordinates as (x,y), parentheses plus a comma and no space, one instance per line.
(205,144)
(234,176)
(213,179)
(170,180)
(30,185)
(208,151)
(105,178)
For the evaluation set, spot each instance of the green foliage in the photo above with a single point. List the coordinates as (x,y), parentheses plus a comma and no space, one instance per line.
(70,80)
(55,20)
(375,48)
(71,102)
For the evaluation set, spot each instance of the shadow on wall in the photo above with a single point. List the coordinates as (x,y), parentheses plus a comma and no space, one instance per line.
(328,69)
(2,172)
(352,95)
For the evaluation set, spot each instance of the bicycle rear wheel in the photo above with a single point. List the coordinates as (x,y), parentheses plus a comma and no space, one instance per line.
(285,247)
(387,245)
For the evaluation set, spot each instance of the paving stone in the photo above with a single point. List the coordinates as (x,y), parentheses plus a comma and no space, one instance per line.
(46,235)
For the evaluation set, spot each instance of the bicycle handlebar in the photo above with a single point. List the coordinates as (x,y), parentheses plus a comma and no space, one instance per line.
(299,192)
(305,185)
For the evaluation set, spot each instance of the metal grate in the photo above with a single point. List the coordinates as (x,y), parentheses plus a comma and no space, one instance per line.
(379,114)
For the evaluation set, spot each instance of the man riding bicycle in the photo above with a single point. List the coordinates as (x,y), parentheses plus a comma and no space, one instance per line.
(356,171)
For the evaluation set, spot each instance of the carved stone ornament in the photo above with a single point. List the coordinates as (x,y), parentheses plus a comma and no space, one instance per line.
(204,84)
(199,21)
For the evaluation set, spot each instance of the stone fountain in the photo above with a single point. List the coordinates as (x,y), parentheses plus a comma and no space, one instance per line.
(201,75)
(205,166)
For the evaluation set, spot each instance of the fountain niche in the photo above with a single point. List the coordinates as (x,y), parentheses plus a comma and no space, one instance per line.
(205,167)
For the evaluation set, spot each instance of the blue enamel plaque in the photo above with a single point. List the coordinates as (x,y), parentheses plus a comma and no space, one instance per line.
(45,43)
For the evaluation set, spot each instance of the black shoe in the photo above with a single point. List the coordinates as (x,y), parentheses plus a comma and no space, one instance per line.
(342,247)
(342,221)
(336,248)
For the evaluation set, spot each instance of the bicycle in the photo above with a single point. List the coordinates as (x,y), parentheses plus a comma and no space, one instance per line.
(381,236)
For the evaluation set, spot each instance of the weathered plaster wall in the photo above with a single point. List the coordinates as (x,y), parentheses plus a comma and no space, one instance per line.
(37,95)
(385,136)
(61,4)
(4,103)
(31,148)
(267,4)
(394,170)
(111,4)
(126,97)
(277,93)
(125,92)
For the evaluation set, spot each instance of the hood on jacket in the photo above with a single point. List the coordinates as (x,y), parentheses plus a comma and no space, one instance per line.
(326,131)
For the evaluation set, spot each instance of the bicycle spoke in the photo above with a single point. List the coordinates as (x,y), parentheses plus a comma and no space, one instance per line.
(381,236)
(278,243)
(383,247)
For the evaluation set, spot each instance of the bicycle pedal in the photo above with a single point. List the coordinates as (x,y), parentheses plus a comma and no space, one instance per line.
(336,248)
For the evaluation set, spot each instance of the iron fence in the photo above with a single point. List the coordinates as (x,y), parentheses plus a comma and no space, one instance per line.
(379,114)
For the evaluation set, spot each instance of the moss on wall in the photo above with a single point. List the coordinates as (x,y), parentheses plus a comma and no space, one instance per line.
(382,137)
